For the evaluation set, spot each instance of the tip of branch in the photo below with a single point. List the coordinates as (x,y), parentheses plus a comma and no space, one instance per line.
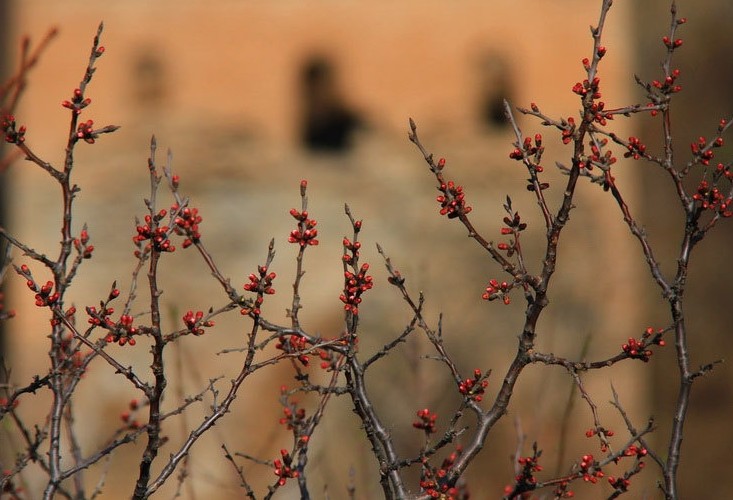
(153,149)
(507,108)
(413,126)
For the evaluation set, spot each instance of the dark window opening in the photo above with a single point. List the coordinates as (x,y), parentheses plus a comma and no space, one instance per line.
(149,89)
(493,112)
(327,122)
(494,88)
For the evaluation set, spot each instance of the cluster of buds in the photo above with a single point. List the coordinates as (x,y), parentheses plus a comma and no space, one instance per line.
(354,286)
(306,233)
(722,125)
(723,171)
(638,349)
(636,149)
(12,135)
(284,469)
(123,331)
(711,198)
(603,434)
(474,388)
(194,322)
(158,235)
(45,296)
(597,157)
(329,360)
(704,152)
(396,278)
(100,317)
(598,114)
(452,201)
(588,87)
(621,483)
(68,315)
(292,344)
(356,282)
(435,482)
(351,250)
(672,44)
(653,108)
(636,451)
(81,246)
(85,131)
(669,85)
(187,223)
(120,331)
(127,416)
(514,226)
(497,290)
(294,417)
(530,153)
(529,149)
(568,130)
(589,469)
(261,285)
(72,360)
(426,422)
(113,294)
(562,491)
(78,101)
(600,52)
(525,481)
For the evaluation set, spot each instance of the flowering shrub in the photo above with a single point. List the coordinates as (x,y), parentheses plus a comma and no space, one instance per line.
(80,342)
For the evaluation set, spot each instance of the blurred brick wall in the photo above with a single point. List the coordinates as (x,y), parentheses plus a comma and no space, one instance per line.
(219,85)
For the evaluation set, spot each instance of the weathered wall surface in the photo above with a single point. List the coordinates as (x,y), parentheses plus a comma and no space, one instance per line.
(222,86)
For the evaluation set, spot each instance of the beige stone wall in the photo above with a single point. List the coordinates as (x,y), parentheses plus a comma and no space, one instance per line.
(227,105)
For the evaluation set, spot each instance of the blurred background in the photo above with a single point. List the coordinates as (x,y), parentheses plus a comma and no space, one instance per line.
(252,97)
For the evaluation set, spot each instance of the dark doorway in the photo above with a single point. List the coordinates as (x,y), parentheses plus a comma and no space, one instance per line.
(327,122)
(150,82)
(494,87)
